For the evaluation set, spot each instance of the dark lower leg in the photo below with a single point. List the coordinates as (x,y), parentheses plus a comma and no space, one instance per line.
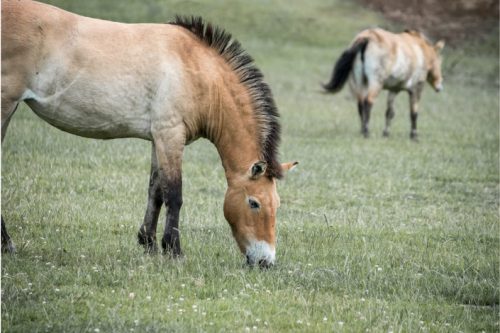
(389,113)
(360,112)
(413,118)
(414,98)
(147,231)
(367,106)
(171,241)
(7,245)
(173,201)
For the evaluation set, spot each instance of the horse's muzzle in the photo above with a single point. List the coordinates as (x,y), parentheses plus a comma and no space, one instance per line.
(260,253)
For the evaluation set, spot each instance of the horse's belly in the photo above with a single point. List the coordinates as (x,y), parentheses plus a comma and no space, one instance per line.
(394,83)
(107,121)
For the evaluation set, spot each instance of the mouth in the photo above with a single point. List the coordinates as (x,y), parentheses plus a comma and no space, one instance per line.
(262,263)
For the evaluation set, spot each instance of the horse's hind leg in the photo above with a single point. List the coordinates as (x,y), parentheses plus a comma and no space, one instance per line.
(360,112)
(389,113)
(147,231)
(8,109)
(364,109)
(7,245)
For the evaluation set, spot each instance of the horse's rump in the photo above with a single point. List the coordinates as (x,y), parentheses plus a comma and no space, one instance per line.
(343,66)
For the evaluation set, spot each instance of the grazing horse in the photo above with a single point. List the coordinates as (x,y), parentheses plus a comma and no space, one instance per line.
(167,83)
(378,59)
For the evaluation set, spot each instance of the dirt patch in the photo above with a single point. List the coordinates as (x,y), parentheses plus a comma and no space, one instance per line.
(453,20)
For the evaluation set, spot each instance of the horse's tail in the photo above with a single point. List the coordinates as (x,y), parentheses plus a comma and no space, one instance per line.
(343,66)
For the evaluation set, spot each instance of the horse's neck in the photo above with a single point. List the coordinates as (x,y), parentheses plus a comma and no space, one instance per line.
(234,133)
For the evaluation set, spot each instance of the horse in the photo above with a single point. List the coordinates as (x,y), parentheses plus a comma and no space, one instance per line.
(378,59)
(167,83)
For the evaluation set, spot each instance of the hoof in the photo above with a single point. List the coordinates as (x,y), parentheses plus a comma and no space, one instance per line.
(148,242)
(174,254)
(366,134)
(414,136)
(171,246)
(385,134)
(172,251)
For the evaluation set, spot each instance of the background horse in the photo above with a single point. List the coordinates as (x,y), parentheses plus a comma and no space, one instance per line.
(167,83)
(378,59)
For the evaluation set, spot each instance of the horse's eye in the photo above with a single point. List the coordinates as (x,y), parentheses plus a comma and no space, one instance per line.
(253,204)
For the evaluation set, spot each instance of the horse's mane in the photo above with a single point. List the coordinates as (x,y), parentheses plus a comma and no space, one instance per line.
(242,63)
(420,34)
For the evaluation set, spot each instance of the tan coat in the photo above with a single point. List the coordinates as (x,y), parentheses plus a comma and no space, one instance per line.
(167,83)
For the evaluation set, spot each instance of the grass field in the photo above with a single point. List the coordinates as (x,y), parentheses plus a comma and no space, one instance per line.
(378,234)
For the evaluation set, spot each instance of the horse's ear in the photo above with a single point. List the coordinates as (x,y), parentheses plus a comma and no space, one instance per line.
(258,169)
(439,45)
(289,166)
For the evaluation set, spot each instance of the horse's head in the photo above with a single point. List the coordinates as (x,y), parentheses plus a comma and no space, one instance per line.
(250,208)
(434,76)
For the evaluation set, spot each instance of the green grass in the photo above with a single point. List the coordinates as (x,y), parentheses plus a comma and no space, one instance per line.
(374,235)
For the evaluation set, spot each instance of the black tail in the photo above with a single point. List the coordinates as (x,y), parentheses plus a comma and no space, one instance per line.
(343,66)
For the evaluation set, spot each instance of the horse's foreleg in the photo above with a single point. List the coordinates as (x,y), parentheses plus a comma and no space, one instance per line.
(414,99)
(169,149)
(389,113)
(147,231)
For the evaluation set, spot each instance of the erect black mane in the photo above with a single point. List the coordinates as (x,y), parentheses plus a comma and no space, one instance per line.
(421,34)
(242,63)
